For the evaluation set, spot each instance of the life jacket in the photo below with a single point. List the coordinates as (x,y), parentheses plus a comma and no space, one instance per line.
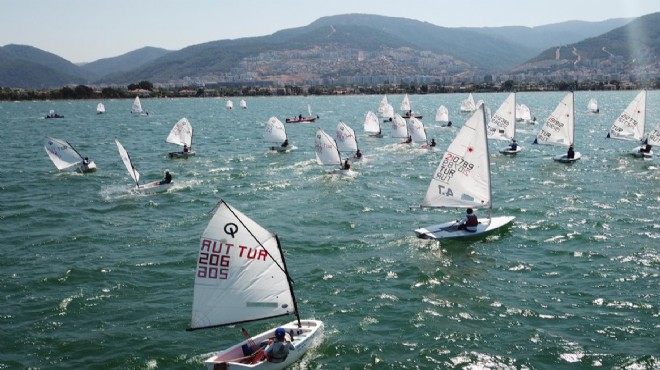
(472,220)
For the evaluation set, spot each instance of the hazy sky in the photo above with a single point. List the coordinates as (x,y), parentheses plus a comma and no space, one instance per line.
(88,30)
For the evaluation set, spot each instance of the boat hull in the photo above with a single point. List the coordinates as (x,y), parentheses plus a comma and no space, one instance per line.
(302,339)
(449,230)
(280,149)
(91,167)
(507,150)
(564,159)
(181,154)
(637,153)
(296,120)
(154,187)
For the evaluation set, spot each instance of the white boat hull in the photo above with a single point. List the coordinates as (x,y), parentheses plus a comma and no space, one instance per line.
(450,229)
(302,339)
(154,187)
(280,149)
(181,154)
(639,154)
(564,159)
(91,167)
(507,150)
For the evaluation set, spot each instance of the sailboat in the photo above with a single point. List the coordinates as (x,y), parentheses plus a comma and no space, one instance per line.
(388,113)
(559,129)
(242,104)
(417,132)
(462,180)
(100,108)
(523,114)
(383,103)
(372,125)
(468,105)
(630,124)
(327,153)
(502,125)
(64,155)
(406,108)
(152,187)
(400,128)
(229,104)
(347,141)
(592,106)
(137,107)
(442,116)
(242,276)
(276,133)
(300,118)
(182,135)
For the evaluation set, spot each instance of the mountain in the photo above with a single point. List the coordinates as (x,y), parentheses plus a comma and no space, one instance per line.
(28,67)
(124,62)
(634,45)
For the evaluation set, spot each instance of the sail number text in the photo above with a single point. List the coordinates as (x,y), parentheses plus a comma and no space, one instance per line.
(450,165)
(215,258)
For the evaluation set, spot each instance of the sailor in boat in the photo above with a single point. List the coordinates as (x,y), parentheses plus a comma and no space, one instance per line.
(469,222)
(513,146)
(346,166)
(571,153)
(300,117)
(185,148)
(646,148)
(167,179)
(358,154)
(285,143)
(85,162)
(432,144)
(408,140)
(449,124)
(278,350)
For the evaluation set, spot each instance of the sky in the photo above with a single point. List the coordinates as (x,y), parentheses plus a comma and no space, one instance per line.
(87,30)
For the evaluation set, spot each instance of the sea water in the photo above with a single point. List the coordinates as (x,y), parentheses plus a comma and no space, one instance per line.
(96,275)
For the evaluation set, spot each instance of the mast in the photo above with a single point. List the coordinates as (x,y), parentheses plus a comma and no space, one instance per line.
(490,189)
(289,281)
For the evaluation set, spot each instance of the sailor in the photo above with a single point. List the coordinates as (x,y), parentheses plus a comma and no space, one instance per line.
(278,350)
(167,179)
(469,222)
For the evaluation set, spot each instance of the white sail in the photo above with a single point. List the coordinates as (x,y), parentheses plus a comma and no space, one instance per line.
(592,105)
(181,134)
(388,111)
(62,153)
(399,126)
(502,125)
(653,137)
(137,106)
(463,177)
(127,162)
(442,114)
(242,104)
(416,130)
(309,109)
(468,105)
(346,140)
(383,103)
(240,274)
(275,131)
(229,104)
(630,124)
(100,108)
(327,153)
(371,123)
(558,129)
(523,113)
(405,104)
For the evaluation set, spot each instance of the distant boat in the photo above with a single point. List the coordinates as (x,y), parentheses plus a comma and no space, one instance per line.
(64,155)
(523,114)
(327,152)
(442,116)
(400,127)
(468,105)
(137,107)
(346,140)
(372,125)
(152,187)
(407,109)
(388,113)
(276,133)
(630,124)
(462,180)
(417,132)
(242,104)
(559,130)
(52,114)
(100,108)
(182,135)
(383,103)
(241,276)
(229,104)
(301,119)
(592,106)
(502,125)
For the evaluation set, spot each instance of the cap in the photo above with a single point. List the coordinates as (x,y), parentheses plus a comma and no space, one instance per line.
(279,333)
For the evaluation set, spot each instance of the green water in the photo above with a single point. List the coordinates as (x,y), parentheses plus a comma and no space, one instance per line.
(94,275)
